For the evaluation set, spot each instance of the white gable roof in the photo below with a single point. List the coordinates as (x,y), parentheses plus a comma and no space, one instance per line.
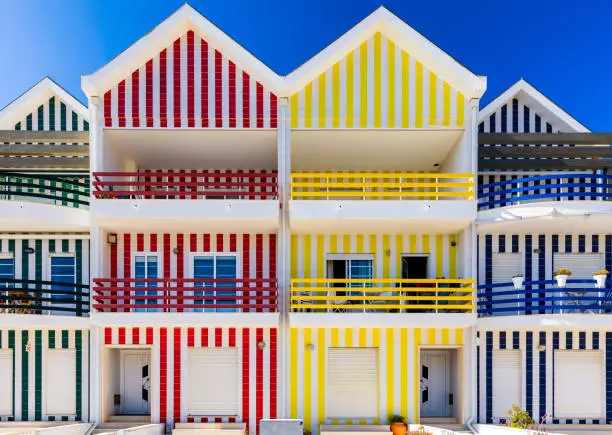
(382,20)
(184,19)
(535,100)
(38,94)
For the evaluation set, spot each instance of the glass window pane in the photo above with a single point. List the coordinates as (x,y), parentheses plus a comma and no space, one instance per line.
(62,271)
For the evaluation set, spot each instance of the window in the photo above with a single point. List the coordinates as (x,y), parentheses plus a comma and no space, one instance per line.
(7,272)
(62,272)
(215,267)
(214,382)
(579,384)
(145,267)
(352,383)
(356,267)
(60,383)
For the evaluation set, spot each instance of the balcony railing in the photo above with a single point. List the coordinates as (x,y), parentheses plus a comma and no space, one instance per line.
(382,295)
(381,185)
(544,297)
(545,188)
(185,185)
(248,295)
(47,189)
(22,296)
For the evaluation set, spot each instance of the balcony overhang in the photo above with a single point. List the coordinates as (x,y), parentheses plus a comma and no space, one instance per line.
(19,216)
(394,150)
(418,216)
(263,320)
(557,321)
(195,148)
(170,214)
(382,320)
(548,217)
(18,321)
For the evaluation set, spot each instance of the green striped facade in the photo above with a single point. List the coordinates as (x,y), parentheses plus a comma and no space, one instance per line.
(30,348)
(53,115)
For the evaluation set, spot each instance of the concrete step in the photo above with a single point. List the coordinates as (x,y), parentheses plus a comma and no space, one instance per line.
(130,418)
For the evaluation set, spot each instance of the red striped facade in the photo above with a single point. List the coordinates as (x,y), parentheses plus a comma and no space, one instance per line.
(190,84)
(170,346)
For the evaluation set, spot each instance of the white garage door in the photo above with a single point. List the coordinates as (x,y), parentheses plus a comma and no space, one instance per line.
(352,381)
(507,381)
(60,382)
(579,383)
(6,382)
(214,382)
(506,265)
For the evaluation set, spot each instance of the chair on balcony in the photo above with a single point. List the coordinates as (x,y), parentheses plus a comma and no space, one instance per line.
(578,301)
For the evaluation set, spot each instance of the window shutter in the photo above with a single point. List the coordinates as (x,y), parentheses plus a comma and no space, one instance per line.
(60,385)
(579,383)
(6,382)
(352,380)
(582,265)
(214,382)
(505,266)
(507,380)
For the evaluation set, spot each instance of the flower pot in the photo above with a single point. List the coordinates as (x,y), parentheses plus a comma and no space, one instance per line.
(518,282)
(600,280)
(561,280)
(399,428)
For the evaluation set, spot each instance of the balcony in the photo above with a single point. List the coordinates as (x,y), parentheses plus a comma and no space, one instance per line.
(43,298)
(412,298)
(552,202)
(419,201)
(43,202)
(202,297)
(222,200)
(543,298)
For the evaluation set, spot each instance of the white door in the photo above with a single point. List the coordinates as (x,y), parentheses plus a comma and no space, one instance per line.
(435,384)
(6,382)
(579,384)
(60,382)
(507,380)
(136,391)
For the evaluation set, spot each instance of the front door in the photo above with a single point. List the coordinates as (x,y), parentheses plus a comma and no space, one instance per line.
(436,394)
(136,391)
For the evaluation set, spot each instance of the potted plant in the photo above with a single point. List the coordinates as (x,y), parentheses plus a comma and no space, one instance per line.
(518,281)
(519,418)
(600,278)
(561,276)
(398,426)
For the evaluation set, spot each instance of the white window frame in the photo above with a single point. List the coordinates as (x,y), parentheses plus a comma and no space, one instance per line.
(192,256)
(143,254)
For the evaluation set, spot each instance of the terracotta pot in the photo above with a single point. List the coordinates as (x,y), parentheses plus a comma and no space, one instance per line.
(399,428)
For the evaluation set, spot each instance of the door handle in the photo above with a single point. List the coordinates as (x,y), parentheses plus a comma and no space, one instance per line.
(450,399)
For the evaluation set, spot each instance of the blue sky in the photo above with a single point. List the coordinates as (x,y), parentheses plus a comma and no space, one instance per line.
(562,47)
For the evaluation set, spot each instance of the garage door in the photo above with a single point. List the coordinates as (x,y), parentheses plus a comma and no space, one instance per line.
(6,382)
(352,381)
(214,382)
(60,382)
(507,381)
(579,383)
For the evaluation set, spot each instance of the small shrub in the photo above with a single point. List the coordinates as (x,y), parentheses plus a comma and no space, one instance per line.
(519,418)
(601,272)
(563,272)
(397,419)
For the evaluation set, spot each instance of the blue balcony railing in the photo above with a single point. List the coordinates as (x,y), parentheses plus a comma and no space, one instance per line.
(544,297)
(555,187)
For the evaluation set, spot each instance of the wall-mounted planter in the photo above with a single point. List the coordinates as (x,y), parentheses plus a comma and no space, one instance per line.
(600,280)
(518,282)
(561,280)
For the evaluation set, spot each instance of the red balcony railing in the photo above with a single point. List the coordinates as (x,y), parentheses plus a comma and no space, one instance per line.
(186,185)
(171,295)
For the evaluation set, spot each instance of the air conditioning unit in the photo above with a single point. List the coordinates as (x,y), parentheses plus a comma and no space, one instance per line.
(281,427)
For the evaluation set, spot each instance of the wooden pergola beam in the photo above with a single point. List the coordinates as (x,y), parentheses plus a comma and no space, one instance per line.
(25,136)
(544,138)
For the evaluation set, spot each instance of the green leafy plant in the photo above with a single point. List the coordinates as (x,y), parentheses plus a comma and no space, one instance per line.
(563,272)
(518,418)
(397,419)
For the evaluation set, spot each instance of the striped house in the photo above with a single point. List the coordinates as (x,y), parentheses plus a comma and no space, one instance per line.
(543,342)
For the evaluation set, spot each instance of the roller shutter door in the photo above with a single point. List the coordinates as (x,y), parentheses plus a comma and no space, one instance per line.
(581,265)
(507,381)
(60,383)
(6,382)
(352,380)
(505,266)
(214,382)
(579,383)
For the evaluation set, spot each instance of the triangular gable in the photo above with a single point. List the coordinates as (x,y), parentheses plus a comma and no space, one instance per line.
(522,108)
(45,106)
(186,73)
(382,74)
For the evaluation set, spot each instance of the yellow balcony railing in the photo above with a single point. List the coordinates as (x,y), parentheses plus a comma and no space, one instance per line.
(381,185)
(383,295)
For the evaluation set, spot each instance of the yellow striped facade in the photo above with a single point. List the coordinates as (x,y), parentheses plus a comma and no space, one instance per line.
(398,371)
(308,252)
(378,85)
